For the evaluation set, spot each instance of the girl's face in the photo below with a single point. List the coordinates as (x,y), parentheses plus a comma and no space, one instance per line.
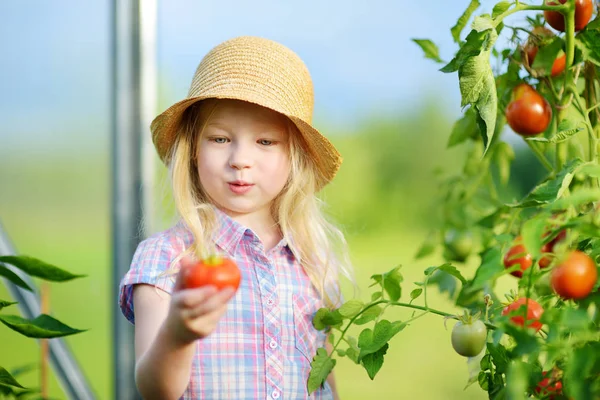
(243,157)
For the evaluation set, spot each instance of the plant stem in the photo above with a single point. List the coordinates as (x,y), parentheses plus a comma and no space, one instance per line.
(522,7)
(540,156)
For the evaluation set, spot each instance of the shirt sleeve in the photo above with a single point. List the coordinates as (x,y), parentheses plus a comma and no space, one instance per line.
(150,265)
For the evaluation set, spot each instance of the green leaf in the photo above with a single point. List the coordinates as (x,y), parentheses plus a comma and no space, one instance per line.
(551,189)
(368,315)
(415,293)
(451,269)
(391,282)
(374,361)
(547,54)
(500,8)
(490,269)
(532,233)
(369,341)
(562,135)
(41,327)
(580,366)
(588,41)
(444,281)
(463,20)
(38,268)
(318,318)
(7,379)
(321,367)
(478,88)
(427,247)
(590,169)
(4,303)
(464,128)
(471,48)
(482,23)
(517,379)
(525,339)
(351,308)
(14,278)
(429,48)
(499,356)
(578,198)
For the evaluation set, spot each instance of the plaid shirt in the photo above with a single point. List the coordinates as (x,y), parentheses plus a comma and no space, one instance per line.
(263,345)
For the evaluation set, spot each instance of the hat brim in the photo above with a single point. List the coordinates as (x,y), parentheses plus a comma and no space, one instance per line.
(324,154)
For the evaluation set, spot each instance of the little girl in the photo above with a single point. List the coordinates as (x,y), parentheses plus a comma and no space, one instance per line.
(245,164)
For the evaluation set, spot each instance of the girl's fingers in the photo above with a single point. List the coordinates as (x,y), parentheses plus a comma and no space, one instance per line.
(217,301)
(186,261)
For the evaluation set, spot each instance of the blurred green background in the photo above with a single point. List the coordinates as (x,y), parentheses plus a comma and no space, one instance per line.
(389,117)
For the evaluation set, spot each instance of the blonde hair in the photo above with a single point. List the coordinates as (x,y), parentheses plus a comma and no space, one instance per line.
(316,242)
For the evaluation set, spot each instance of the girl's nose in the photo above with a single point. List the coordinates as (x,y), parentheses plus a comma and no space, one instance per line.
(240,157)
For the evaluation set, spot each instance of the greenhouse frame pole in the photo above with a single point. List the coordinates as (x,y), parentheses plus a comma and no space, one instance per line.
(133,100)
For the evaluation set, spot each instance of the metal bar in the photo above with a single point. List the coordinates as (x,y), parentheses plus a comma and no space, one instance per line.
(126,178)
(63,363)
(149,102)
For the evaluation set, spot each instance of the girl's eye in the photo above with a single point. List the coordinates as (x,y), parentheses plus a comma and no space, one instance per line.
(220,140)
(265,142)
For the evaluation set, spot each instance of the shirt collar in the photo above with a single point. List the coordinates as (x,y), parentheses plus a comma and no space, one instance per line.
(229,233)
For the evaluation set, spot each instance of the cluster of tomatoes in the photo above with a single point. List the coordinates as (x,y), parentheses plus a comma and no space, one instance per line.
(529,113)
(573,274)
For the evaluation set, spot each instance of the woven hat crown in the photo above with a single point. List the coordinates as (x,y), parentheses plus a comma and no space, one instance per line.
(261,71)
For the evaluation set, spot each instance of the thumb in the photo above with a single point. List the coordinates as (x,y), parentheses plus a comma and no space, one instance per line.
(184,263)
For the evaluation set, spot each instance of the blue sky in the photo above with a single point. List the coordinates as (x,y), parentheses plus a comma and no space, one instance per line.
(56,58)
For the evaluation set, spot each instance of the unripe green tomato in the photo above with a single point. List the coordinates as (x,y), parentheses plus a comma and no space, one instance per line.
(457,245)
(468,340)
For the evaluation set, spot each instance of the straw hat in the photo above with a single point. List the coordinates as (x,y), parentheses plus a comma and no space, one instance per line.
(259,71)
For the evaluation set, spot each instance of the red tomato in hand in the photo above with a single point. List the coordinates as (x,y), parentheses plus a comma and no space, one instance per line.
(518,255)
(575,277)
(220,272)
(583,13)
(544,387)
(531,48)
(534,312)
(529,113)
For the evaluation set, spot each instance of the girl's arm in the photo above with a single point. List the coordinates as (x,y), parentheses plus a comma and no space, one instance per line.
(166,328)
(331,377)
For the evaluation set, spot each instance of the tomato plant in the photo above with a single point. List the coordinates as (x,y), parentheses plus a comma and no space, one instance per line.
(583,13)
(469,337)
(549,233)
(528,113)
(217,271)
(549,386)
(575,276)
(541,36)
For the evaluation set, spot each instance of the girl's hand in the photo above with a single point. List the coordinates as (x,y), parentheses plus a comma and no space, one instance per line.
(194,313)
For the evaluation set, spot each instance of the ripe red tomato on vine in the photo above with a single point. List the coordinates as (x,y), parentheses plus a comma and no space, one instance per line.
(575,276)
(534,313)
(518,255)
(528,113)
(583,13)
(531,47)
